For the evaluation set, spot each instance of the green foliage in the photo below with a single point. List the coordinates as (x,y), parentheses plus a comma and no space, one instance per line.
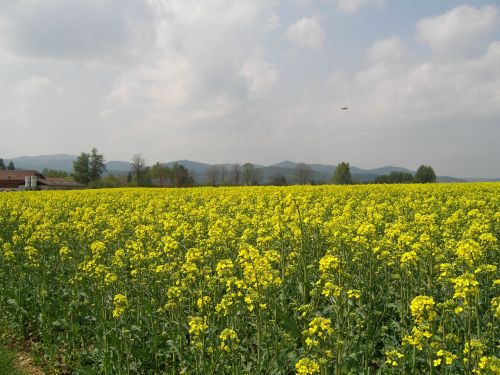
(2,165)
(342,175)
(161,173)
(425,174)
(7,359)
(88,167)
(81,168)
(279,180)
(54,173)
(395,178)
(180,176)
(251,175)
(11,166)
(96,165)
(109,181)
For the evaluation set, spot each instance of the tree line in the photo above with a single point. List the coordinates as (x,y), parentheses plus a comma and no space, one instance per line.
(89,168)
(10,166)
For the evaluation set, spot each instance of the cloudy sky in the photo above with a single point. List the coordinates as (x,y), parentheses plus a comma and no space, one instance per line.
(255,80)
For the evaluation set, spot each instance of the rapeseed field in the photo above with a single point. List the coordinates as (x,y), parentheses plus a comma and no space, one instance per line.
(255,280)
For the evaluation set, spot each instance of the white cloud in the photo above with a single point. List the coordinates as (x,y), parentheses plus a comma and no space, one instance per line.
(36,85)
(307,32)
(387,50)
(76,30)
(425,89)
(352,6)
(179,78)
(458,32)
(273,23)
(260,75)
(198,54)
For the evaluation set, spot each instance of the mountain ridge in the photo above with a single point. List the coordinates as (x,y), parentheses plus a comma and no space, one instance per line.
(321,172)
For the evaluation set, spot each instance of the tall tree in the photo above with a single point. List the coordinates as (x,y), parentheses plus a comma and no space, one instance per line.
(236,174)
(181,176)
(96,165)
(425,174)
(279,180)
(81,168)
(249,174)
(303,173)
(11,166)
(2,165)
(213,175)
(342,175)
(139,168)
(160,173)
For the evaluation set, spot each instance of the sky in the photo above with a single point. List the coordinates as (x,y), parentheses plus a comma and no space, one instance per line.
(255,80)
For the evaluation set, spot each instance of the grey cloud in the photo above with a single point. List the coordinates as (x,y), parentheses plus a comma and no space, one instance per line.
(74,29)
(217,81)
(462,31)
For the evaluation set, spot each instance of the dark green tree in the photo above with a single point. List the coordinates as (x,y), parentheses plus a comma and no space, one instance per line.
(342,175)
(54,173)
(279,180)
(250,174)
(81,168)
(394,178)
(180,176)
(2,165)
(160,173)
(425,174)
(11,166)
(96,165)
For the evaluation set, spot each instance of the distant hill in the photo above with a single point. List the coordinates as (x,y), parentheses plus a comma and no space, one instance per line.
(61,162)
(322,173)
(118,166)
(449,179)
(482,179)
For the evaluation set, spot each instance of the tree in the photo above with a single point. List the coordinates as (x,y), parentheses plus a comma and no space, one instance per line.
(394,178)
(180,176)
(54,173)
(139,168)
(160,173)
(11,166)
(251,175)
(279,180)
(81,168)
(425,174)
(2,165)
(96,165)
(303,173)
(236,174)
(213,175)
(342,175)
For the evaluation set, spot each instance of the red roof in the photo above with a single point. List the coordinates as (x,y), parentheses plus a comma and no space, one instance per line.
(18,175)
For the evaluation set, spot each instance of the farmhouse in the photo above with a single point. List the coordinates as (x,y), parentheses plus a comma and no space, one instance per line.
(33,180)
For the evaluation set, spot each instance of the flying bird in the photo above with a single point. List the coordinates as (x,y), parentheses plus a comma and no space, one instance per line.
(345,108)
